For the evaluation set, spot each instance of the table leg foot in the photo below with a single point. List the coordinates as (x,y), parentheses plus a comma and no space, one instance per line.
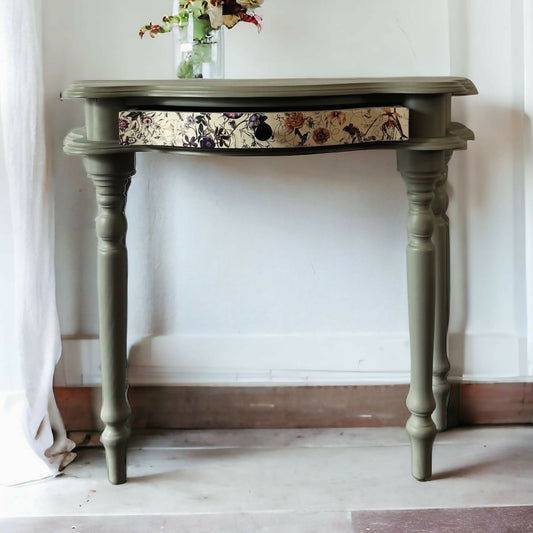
(441,391)
(115,443)
(421,432)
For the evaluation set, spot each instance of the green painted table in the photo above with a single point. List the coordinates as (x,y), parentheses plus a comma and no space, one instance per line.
(279,117)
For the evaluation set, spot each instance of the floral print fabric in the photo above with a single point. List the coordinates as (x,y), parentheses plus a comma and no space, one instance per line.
(215,130)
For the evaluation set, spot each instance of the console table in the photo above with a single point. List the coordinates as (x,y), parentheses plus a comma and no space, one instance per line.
(278,117)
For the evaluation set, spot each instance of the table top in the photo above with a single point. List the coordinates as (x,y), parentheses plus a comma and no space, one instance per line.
(269,88)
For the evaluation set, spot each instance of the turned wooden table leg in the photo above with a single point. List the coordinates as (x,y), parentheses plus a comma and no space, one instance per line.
(111,177)
(421,170)
(441,240)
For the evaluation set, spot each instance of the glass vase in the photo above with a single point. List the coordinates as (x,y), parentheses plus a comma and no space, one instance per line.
(199,50)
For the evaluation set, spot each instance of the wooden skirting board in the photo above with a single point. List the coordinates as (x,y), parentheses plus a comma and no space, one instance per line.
(210,407)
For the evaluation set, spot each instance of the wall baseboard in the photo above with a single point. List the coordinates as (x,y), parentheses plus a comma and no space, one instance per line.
(214,407)
(496,403)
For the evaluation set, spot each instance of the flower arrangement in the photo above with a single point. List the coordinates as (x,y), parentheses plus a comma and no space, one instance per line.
(197,23)
(208,15)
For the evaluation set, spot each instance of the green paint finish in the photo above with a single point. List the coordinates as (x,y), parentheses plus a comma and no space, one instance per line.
(274,88)
(111,177)
(422,161)
(441,240)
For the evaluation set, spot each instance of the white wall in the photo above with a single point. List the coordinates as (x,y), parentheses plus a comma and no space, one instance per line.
(487,44)
(293,269)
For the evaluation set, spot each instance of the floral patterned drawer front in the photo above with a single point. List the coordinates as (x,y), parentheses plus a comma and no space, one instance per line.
(263,130)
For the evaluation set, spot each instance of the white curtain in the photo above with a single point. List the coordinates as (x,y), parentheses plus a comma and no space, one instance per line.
(33,442)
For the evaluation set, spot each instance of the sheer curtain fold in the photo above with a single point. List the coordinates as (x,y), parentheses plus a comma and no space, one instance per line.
(33,443)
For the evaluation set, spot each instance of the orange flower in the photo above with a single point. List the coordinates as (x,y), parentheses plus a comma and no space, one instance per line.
(339,116)
(153,29)
(392,118)
(294,120)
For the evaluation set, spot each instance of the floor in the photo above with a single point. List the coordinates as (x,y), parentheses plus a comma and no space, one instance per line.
(308,480)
